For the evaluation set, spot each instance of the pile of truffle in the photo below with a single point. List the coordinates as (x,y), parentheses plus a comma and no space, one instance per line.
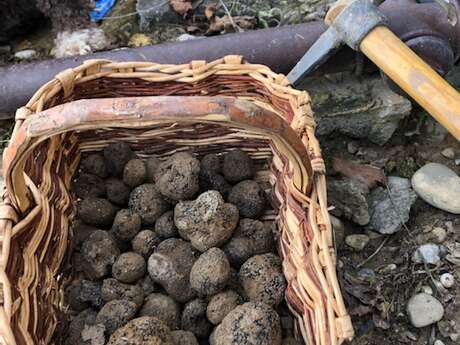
(171,252)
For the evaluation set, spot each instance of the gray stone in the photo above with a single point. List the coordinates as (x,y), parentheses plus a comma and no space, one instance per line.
(349,198)
(357,241)
(439,186)
(424,310)
(388,211)
(447,280)
(358,108)
(26,54)
(429,253)
(152,12)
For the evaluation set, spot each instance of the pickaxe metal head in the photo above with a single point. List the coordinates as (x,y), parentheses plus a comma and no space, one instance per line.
(349,23)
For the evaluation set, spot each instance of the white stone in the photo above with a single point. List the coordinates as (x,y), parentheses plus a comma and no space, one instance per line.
(424,310)
(428,253)
(439,186)
(448,153)
(357,241)
(439,235)
(438,342)
(426,289)
(25,54)
(447,280)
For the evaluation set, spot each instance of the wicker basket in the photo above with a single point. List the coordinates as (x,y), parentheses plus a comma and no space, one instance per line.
(162,109)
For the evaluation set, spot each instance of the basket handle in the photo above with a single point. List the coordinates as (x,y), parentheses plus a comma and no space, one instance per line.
(130,111)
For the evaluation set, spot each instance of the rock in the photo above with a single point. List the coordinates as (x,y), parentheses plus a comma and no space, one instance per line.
(129,267)
(357,241)
(424,310)
(170,266)
(183,338)
(186,37)
(426,289)
(438,342)
(163,308)
(99,253)
(207,221)
(26,54)
(210,273)
(439,186)
(429,253)
(355,107)
(115,314)
(79,42)
(152,12)
(438,235)
(194,318)
(352,147)
(144,330)
(448,153)
(93,335)
(350,199)
(263,280)
(447,280)
(222,304)
(249,324)
(389,212)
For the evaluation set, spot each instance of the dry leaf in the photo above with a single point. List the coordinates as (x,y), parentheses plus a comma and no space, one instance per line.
(219,24)
(210,11)
(367,174)
(181,6)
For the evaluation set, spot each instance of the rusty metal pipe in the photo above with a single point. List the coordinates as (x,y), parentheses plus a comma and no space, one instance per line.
(279,48)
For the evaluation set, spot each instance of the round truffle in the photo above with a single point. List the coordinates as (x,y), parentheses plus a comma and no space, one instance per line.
(116,314)
(177,177)
(170,266)
(152,164)
(222,304)
(194,319)
(249,197)
(216,182)
(238,166)
(165,227)
(249,324)
(250,238)
(212,164)
(145,242)
(98,253)
(207,221)
(126,225)
(146,201)
(262,279)
(96,211)
(116,156)
(113,289)
(162,307)
(134,173)
(144,330)
(88,185)
(181,337)
(117,192)
(210,273)
(129,267)
(83,294)
(95,164)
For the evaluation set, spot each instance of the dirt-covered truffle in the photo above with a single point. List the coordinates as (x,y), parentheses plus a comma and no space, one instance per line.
(134,172)
(152,164)
(146,201)
(170,266)
(83,294)
(165,227)
(98,253)
(115,314)
(194,319)
(250,238)
(144,330)
(211,163)
(117,192)
(210,273)
(86,317)
(81,232)
(96,211)
(145,242)
(148,285)
(207,221)
(113,289)
(116,156)
(181,337)
(129,267)
(222,304)
(94,164)
(177,177)
(162,307)
(88,185)
(249,324)
(126,225)
(249,197)
(262,279)
(214,182)
(238,166)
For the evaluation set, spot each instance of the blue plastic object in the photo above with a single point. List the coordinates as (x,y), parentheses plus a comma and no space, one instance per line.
(101,8)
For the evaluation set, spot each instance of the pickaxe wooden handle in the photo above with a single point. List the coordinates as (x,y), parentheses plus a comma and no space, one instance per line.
(359,24)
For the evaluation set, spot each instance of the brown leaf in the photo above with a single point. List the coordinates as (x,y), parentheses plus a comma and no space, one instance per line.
(181,6)
(210,11)
(225,24)
(367,174)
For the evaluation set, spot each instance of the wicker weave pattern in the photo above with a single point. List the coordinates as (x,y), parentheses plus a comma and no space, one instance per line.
(239,105)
